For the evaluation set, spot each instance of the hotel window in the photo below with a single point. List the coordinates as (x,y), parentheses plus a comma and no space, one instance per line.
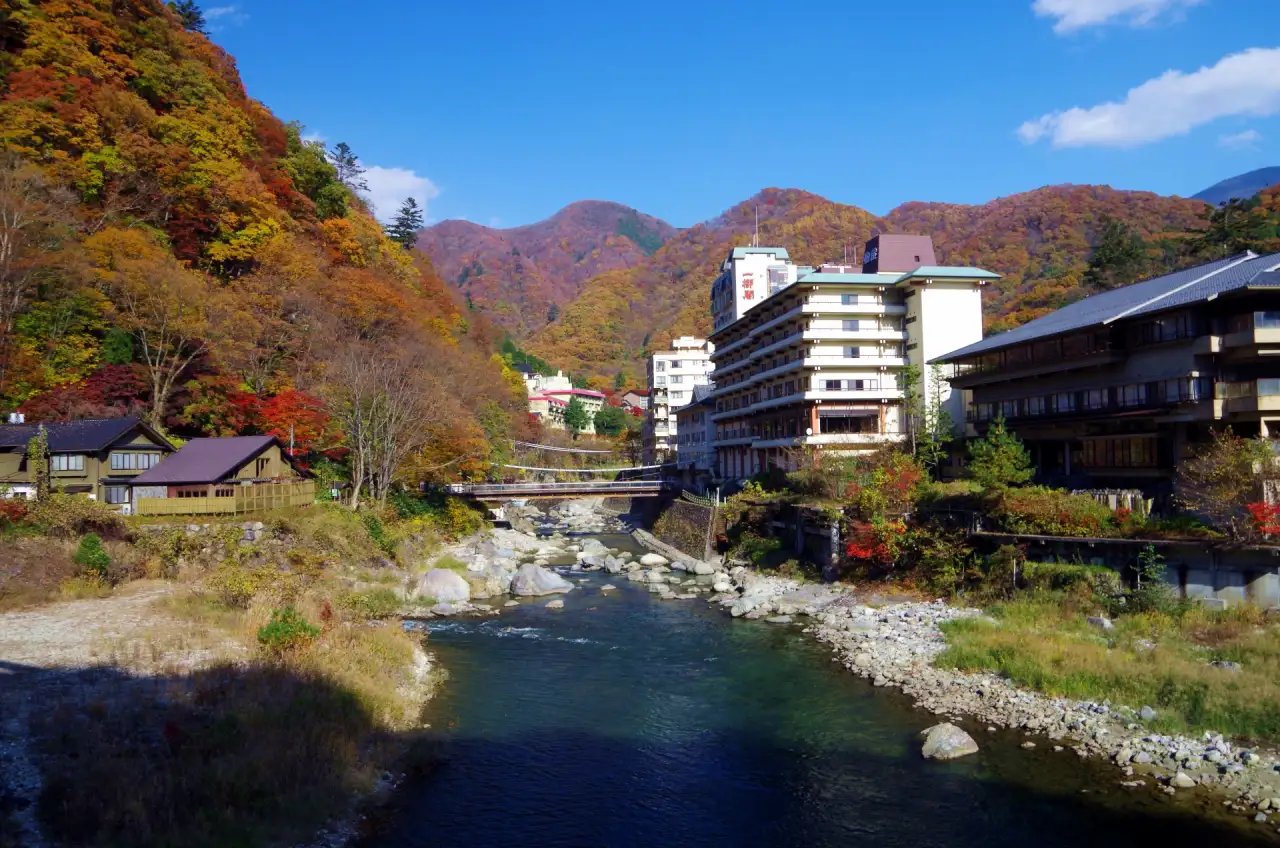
(855,324)
(1008,408)
(134,461)
(675,364)
(63,462)
(661,365)
(224,493)
(676,378)
(852,352)
(117,494)
(1133,395)
(1035,406)
(660,381)
(1095,399)
(982,411)
(1064,402)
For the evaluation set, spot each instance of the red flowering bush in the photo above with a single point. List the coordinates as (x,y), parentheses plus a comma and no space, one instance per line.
(12,511)
(879,541)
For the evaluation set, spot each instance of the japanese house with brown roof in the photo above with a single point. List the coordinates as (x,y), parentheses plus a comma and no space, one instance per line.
(236,474)
(97,457)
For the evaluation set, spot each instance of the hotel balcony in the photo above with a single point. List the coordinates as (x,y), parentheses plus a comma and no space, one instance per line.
(1252,330)
(1250,396)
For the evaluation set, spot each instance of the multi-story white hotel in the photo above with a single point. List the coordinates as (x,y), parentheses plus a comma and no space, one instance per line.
(672,376)
(814,357)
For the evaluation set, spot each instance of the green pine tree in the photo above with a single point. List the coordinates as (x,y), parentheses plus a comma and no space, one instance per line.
(1000,459)
(407,224)
(350,171)
(1119,259)
(189,12)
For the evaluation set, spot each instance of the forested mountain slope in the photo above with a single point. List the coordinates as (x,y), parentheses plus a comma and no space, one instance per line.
(522,276)
(169,246)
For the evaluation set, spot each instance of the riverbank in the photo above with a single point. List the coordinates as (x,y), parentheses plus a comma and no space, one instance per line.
(896,643)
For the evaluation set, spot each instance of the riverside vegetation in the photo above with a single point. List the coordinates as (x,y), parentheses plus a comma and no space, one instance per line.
(268,684)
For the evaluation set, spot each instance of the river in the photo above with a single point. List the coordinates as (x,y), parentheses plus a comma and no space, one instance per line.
(625,720)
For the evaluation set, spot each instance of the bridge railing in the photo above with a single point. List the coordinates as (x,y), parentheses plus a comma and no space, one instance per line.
(527,488)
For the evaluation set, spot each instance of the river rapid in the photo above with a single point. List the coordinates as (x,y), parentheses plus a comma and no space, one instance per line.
(625,720)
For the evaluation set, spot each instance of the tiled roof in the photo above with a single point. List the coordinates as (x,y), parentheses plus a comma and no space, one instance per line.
(90,434)
(1180,288)
(205,461)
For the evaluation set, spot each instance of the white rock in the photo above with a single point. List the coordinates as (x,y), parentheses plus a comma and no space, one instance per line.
(556,604)
(946,742)
(533,579)
(1181,781)
(652,559)
(443,585)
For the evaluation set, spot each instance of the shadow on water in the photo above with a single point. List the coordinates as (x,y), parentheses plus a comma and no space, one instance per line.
(624,720)
(579,789)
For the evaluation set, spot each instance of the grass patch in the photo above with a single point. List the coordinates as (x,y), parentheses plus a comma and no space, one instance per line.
(452,563)
(1155,659)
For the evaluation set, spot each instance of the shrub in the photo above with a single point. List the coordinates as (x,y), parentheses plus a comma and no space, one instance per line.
(1151,593)
(378,533)
(377,603)
(756,549)
(12,511)
(1000,459)
(69,516)
(945,557)
(459,519)
(1050,512)
(287,631)
(235,584)
(92,557)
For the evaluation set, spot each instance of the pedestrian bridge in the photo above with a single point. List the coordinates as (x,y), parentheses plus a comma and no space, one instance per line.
(577,488)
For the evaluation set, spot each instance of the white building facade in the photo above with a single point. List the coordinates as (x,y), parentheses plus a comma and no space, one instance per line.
(672,376)
(819,362)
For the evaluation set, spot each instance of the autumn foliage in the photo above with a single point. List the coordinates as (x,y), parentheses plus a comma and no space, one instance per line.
(170,248)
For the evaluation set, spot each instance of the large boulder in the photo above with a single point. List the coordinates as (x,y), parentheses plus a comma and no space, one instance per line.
(594,546)
(703,569)
(442,585)
(947,742)
(533,579)
(653,559)
(655,576)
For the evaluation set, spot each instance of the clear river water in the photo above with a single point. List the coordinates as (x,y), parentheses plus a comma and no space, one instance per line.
(624,720)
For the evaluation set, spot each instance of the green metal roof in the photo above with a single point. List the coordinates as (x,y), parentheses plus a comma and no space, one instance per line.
(955,271)
(743,252)
(862,279)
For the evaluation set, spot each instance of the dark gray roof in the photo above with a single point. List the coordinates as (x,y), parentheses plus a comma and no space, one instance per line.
(205,461)
(90,434)
(1155,295)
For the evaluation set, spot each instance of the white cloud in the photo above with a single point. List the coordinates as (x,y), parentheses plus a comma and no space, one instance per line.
(1074,15)
(220,17)
(388,188)
(1247,140)
(1174,103)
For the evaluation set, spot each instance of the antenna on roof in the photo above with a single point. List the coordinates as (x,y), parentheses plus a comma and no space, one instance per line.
(755,239)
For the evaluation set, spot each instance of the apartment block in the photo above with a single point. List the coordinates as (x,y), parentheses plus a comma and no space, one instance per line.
(673,374)
(816,359)
(1115,390)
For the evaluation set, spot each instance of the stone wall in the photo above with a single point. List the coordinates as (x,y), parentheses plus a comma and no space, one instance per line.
(687,527)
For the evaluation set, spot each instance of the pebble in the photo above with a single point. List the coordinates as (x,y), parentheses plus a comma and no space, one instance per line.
(1027,745)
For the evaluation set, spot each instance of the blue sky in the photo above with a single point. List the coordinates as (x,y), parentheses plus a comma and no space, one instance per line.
(503,112)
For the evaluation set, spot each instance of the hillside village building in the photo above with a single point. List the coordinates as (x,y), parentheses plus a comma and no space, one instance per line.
(814,357)
(695,435)
(1113,390)
(673,374)
(549,397)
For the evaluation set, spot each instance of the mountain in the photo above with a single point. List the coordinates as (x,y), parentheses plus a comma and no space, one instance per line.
(1243,186)
(1040,241)
(171,247)
(522,276)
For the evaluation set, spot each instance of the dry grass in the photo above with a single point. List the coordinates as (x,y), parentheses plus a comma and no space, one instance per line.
(176,751)
(1148,659)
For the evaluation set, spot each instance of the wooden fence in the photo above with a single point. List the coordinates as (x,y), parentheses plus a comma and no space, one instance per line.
(260,497)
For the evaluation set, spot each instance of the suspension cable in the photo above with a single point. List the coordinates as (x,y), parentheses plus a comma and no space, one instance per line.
(561,450)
